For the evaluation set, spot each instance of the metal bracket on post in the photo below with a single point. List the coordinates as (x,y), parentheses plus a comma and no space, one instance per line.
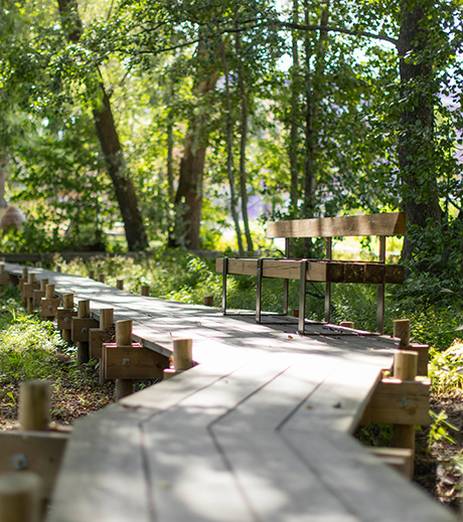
(302,295)
(224,285)
(286,283)
(380,294)
(260,276)
(329,256)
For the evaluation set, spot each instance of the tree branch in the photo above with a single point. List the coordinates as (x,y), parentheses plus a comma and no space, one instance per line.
(342,30)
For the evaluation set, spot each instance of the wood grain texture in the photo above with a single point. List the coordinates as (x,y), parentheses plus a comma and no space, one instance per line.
(387,224)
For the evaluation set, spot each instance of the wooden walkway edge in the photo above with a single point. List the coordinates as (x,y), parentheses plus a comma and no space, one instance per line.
(260,430)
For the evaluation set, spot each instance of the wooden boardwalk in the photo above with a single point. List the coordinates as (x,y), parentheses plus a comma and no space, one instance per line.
(260,430)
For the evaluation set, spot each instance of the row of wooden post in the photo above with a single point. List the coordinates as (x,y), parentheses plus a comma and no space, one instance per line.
(401,399)
(121,359)
(22,493)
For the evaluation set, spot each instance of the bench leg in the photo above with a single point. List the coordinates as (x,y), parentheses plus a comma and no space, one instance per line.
(328,302)
(224,285)
(285,296)
(380,308)
(259,274)
(302,296)
(381,288)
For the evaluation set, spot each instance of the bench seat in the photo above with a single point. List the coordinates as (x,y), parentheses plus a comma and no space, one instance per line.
(325,271)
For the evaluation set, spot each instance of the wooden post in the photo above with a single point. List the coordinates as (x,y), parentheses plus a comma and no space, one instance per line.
(101,278)
(38,294)
(120,284)
(405,366)
(68,301)
(183,354)
(22,281)
(59,269)
(145,290)
(50,291)
(28,292)
(49,303)
(123,387)
(209,300)
(106,318)
(347,324)
(34,405)
(295,312)
(20,493)
(100,335)
(64,316)
(83,311)
(91,274)
(401,330)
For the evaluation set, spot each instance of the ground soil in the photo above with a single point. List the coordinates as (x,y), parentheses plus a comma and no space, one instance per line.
(436,468)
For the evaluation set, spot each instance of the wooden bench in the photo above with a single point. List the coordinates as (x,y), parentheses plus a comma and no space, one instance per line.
(326,270)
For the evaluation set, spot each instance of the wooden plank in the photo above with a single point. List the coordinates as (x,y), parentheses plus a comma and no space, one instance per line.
(127,362)
(276,482)
(398,402)
(340,401)
(39,452)
(102,477)
(318,270)
(280,268)
(190,478)
(367,487)
(387,224)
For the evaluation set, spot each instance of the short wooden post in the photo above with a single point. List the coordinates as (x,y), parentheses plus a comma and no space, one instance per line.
(38,294)
(83,312)
(347,324)
(34,405)
(20,494)
(145,290)
(68,301)
(405,366)
(183,354)
(28,292)
(101,278)
(209,300)
(120,284)
(49,303)
(91,274)
(104,333)
(295,312)
(22,281)
(106,318)
(123,387)
(64,315)
(401,330)
(4,276)
(59,269)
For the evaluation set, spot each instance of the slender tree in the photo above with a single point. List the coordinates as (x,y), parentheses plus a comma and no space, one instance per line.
(110,143)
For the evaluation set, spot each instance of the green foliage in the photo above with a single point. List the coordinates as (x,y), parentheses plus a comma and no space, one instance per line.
(27,346)
(446,370)
(440,429)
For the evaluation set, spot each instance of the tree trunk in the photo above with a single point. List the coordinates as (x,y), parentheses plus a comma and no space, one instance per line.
(420,196)
(109,142)
(188,198)
(170,156)
(294,118)
(313,94)
(230,162)
(244,114)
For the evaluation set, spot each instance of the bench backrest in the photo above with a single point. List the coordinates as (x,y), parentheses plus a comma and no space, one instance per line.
(386,224)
